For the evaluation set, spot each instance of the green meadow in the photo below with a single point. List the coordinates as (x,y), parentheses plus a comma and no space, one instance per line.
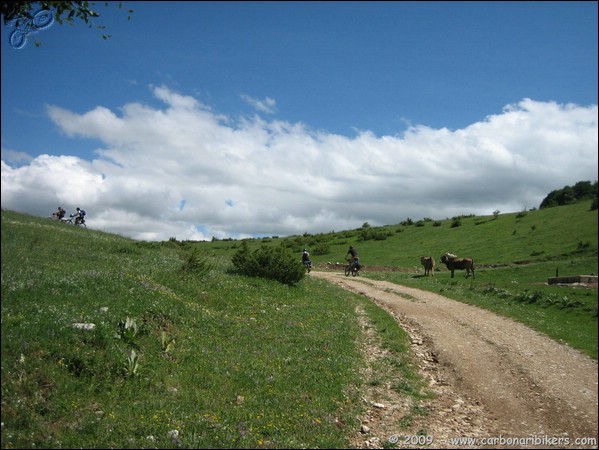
(109,342)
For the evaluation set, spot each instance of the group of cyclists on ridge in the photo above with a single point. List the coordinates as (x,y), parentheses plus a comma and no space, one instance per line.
(78,217)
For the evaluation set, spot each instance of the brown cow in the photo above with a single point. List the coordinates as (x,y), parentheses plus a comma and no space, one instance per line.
(429,265)
(454,263)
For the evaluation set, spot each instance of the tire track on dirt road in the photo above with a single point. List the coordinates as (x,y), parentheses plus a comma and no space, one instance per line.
(529,384)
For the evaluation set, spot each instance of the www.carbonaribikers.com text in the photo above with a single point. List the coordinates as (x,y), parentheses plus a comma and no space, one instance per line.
(546,441)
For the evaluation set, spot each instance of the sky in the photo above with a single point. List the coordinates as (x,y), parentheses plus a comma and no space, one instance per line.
(203,120)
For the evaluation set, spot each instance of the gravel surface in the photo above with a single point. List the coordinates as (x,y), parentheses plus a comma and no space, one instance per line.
(497,381)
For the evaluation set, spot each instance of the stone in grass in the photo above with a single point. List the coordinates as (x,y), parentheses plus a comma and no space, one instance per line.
(84,326)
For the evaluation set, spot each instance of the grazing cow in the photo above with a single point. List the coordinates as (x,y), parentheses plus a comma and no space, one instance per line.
(429,265)
(454,263)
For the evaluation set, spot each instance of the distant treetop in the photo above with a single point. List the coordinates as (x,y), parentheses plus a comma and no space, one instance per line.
(583,190)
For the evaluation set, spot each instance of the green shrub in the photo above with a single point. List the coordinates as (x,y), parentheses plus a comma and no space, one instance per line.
(321,248)
(193,264)
(367,234)
(276,263)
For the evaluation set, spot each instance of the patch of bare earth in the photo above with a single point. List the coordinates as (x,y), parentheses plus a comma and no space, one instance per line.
(498,384)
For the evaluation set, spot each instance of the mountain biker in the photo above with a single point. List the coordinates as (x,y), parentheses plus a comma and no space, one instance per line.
(79,216)
(306,258)
(354,255)
(59,214)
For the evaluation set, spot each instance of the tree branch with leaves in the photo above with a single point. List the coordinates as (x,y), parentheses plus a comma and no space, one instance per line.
(22,15)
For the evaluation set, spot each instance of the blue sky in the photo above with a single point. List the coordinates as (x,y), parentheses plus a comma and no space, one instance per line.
(233,119)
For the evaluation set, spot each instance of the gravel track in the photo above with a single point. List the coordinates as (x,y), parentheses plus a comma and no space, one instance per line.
(495,377)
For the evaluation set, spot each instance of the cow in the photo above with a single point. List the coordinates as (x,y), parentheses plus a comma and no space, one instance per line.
(429,265)
(454,263)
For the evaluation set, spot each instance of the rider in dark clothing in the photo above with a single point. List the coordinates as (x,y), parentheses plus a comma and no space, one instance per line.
(354,255)
(306,259)
(305,256)
(59,214)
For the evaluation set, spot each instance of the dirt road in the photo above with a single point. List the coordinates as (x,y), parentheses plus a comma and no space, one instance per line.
(495,377)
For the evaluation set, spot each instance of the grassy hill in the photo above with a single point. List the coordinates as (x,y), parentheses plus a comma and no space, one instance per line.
(515,238)
(109,342)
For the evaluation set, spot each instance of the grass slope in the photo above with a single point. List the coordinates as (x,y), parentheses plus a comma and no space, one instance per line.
(174,354)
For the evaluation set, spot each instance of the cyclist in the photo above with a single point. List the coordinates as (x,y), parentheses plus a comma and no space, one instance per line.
(59,214)
(79,217)
(354,256)
(306,259)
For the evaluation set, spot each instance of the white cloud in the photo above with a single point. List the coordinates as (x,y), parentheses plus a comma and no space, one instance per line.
(268,105)
(182,171)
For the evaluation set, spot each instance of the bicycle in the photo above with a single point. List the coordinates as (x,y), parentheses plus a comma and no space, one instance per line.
(74,220)
(354,268)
